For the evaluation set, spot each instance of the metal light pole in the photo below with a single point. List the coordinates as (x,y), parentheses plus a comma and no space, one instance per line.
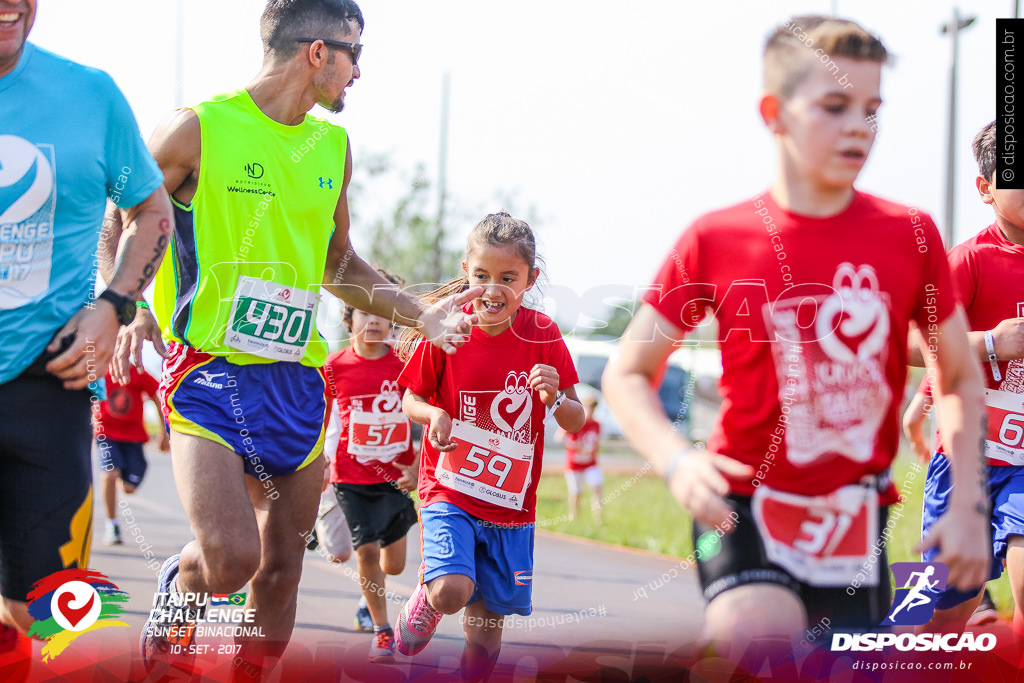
(442,180)
(179,54)
(953,28)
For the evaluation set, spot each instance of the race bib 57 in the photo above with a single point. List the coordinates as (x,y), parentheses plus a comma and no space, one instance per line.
(377,436)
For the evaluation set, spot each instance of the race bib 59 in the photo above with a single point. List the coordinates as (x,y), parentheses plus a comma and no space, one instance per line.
(486,465)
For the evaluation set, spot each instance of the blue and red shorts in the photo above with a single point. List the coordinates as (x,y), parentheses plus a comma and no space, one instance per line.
(270,414)
(499,559)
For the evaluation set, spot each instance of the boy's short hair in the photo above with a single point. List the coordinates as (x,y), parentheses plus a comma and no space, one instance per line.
(794,46)
(984,147)
(387,275)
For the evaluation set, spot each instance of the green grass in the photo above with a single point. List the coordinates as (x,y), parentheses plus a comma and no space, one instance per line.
(640,513)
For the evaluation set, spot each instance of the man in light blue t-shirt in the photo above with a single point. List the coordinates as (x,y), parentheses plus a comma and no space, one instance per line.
(68,142)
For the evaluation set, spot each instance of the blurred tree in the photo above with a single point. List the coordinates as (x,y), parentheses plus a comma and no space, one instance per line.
(403,235)
(617,321)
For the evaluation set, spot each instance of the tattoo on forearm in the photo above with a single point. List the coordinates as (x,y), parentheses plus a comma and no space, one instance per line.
(154,262)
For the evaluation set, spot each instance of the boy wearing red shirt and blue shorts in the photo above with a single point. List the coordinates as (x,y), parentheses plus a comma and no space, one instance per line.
(986,278)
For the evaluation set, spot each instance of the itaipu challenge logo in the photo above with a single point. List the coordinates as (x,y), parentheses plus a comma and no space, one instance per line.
(71,602)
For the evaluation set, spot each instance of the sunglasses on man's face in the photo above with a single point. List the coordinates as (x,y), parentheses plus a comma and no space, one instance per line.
(353,49)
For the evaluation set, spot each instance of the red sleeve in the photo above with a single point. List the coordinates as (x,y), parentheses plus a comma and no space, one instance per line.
(965,275)
(330,377)
(936,301)
(148,384)
(561,360)
(422,372)
(677,292)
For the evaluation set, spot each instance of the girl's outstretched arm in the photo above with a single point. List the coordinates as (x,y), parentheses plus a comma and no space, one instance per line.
(437,421)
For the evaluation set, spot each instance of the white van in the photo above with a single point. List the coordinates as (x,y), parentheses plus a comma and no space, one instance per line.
(693,370)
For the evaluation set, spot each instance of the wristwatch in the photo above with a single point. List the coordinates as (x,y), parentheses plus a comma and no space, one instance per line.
(124,306)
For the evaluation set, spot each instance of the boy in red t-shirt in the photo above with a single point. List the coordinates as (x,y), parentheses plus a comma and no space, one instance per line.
(987,280)
(374,466)
(581,461)
(918,409)
(119,430)
(813,285)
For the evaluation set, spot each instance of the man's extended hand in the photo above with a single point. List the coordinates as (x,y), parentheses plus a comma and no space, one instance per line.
(128,350)
(445,324)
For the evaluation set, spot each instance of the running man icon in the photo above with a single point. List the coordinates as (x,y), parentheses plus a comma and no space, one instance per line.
(917,585)
(914,597)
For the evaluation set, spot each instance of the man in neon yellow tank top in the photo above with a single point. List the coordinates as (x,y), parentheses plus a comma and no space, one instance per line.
(261,221)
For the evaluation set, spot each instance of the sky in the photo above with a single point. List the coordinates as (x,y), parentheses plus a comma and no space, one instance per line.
(615,123)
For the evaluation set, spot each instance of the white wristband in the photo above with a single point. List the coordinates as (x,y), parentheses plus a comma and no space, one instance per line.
(559,400)
(993,360)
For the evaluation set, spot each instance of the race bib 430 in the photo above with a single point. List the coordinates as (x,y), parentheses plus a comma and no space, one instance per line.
(271,320)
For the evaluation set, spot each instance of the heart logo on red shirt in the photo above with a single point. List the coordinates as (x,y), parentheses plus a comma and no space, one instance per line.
(511,408)
(389,400)
(853,323)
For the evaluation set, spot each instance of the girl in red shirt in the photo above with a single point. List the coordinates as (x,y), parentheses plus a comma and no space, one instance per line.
(484,410)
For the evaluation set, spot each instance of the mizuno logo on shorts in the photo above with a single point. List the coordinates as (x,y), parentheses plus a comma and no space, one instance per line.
(207,379)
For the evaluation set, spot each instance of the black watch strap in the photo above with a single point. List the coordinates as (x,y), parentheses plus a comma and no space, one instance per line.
(124,306)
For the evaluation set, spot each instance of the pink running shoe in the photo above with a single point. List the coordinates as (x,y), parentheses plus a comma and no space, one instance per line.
(416,623)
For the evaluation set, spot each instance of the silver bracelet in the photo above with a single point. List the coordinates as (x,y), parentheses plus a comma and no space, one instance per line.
(993,359)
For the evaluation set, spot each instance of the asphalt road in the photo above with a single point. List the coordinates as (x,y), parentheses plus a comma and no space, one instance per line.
(595,608)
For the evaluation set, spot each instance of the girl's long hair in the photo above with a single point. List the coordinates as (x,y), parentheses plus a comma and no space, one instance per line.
(496,229)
